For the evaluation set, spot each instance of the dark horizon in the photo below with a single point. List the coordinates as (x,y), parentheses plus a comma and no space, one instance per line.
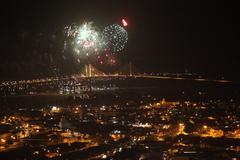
(164,36)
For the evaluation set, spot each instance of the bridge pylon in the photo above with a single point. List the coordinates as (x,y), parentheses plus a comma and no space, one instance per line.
(88,70)
(130,69)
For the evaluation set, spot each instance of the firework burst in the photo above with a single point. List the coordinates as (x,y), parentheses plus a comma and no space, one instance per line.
(85,39)
(106,58)
(116,37)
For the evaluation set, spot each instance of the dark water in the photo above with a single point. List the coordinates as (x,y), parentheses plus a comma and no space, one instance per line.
(135,88)
(187,89)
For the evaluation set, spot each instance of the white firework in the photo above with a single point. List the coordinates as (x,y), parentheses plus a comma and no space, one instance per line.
(116,37)
(85,38)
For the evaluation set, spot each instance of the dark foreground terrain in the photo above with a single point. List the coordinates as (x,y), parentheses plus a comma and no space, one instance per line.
(138,119)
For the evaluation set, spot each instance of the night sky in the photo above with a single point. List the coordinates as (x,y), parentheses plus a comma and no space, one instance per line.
(164,36)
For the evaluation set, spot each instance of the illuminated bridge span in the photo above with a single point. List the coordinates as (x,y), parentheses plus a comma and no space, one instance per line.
(90,71)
